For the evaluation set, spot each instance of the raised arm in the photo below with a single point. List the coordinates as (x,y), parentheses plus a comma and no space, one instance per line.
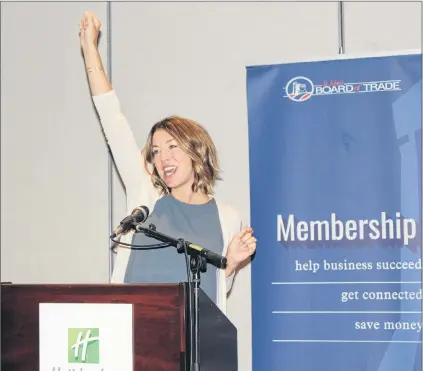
(97,78)
(117,131)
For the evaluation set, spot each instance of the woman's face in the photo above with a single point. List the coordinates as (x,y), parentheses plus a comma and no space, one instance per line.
(171,161)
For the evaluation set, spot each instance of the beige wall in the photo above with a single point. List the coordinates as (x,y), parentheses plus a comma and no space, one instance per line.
(54,164)
(167,58)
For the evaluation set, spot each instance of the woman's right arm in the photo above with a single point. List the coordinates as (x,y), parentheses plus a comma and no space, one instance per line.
(117,131)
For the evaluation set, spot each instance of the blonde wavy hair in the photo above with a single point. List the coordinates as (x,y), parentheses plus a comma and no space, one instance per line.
(197,144)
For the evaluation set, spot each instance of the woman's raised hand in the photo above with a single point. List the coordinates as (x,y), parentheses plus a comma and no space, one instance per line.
(90,29)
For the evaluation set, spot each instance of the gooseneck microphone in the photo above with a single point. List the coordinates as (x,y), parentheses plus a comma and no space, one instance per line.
(138,215)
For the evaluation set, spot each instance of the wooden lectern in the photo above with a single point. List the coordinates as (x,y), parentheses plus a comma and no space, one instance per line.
(160,325)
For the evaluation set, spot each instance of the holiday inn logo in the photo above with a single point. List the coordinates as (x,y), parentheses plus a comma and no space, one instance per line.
(86,337)
(84,345)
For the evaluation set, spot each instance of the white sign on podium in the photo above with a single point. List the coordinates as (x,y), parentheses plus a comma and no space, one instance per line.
(86,337)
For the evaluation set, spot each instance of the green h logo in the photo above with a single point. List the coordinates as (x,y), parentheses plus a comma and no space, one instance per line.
(83,345)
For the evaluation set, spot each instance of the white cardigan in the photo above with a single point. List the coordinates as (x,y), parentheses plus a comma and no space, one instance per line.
(140,190)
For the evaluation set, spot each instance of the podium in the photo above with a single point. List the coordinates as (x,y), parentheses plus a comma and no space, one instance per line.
(160,324)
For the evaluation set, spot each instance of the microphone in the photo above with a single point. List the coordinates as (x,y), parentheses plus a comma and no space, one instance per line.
(138,215)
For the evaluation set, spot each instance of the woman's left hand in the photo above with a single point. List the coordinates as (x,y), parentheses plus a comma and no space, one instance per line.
(241,248)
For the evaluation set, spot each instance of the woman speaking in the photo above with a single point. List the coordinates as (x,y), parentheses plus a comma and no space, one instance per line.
(174,176)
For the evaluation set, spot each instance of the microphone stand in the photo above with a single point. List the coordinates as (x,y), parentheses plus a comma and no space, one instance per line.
(199,257)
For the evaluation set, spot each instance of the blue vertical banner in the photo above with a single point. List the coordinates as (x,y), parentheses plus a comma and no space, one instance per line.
(335,183)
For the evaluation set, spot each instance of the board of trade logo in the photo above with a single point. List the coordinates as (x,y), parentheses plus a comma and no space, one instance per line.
(300,88)
(84,345)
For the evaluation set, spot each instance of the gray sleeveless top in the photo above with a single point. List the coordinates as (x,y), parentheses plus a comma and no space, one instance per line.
(198,224)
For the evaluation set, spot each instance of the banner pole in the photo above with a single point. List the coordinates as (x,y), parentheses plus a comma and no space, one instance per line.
(341,33)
